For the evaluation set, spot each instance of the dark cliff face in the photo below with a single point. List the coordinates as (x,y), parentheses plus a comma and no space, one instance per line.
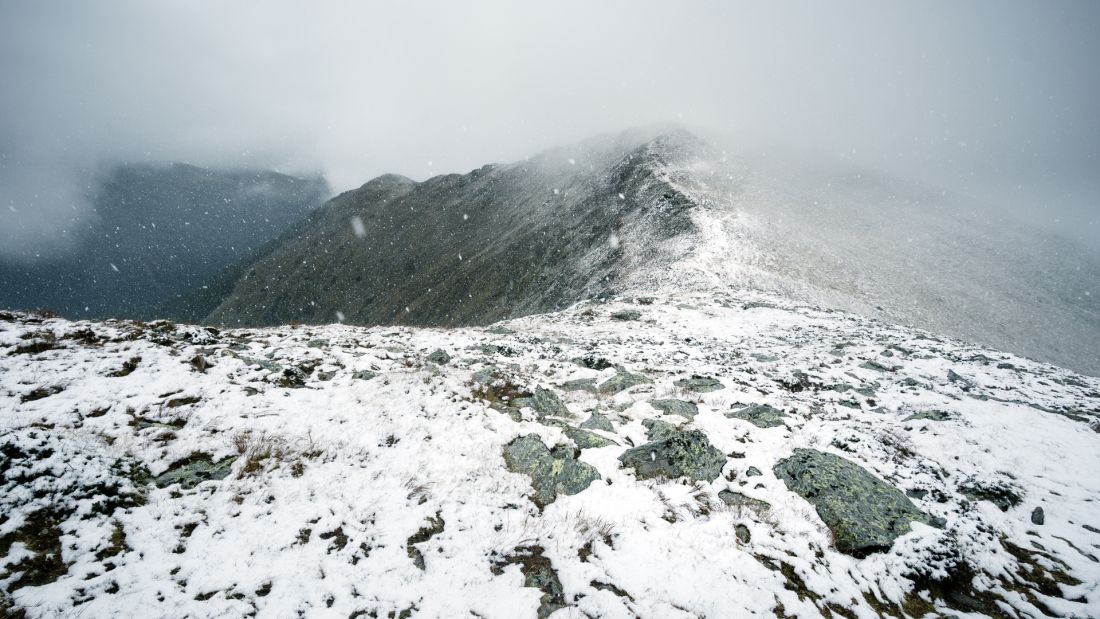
(161,241)
(501,241)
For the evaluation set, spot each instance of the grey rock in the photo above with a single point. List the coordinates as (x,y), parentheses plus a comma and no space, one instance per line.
(676,407)
(999,493)
(736,499)
(588,440)
(626,315)
(580,384)
(364,375)
(700,384)
(621,381)
(753,472)
(598,421)
(864,514)
(538,573)
(439,357)
(657,430)
(759,415)
(686,454)
(742,533)
(194,470)
(544,402)
(551,473)
(1038,516)
(930,415)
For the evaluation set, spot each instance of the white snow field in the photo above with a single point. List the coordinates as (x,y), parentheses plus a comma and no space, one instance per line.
(159,470)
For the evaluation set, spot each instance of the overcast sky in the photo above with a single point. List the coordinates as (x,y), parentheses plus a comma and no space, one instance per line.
(995,98)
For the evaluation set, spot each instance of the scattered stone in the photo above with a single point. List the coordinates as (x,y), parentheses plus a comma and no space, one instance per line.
(930,415)
(753,472)
(544,402)
(439,357)
(676,407)
(587,440)
(700,384)
(864,514)
(687,454)
(127,368)
(193,470)
(435,527)
(183,401)
(626,315)
(998,493)
(877,367)
(759,415)
(598,421)
(592,362)
(1038,516)
(538,572)
(657,430)
(621,381)
(742,533)
(199,363)
(799,381)
(580,384)
(736,499)
(551,472)
(364,375)
(645,300)
(40,392)
(963,383)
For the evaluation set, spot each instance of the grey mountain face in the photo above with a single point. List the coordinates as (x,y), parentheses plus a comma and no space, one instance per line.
(163,242)
(501,241)
(636,213)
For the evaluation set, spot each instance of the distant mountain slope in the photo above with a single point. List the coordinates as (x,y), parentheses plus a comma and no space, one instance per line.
(665,211)
(901,251)
(499,242)
(162,235)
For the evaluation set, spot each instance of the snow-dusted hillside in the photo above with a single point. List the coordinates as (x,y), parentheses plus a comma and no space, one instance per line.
(158,470)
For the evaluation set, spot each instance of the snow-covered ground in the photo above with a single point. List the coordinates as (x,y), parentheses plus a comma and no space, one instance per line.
(352,472)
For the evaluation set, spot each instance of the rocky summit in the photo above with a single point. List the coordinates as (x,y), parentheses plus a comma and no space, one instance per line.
(751,457)
(498,242)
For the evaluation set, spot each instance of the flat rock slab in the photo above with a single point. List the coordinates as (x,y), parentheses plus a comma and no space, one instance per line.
(194,470)
(685,454)
(551,472)
(759,415)
(676,407)
(544,402)
(736,499)
(700,384)
(864,514)
(622,381)
(598,421)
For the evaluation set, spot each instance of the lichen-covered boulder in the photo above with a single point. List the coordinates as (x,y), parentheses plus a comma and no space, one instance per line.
(193,470)
(657,430)
(439,357)
(551,472)
(864,514)
(621,381)
(544,402)
(580,384)
(588,440)
(676,407)
(684,454)
(700,384)
(598,421)
(759,415)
